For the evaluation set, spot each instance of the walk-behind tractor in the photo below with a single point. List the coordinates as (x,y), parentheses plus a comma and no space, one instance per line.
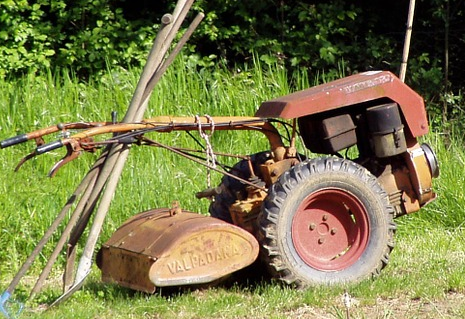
(321,219)
(327,219)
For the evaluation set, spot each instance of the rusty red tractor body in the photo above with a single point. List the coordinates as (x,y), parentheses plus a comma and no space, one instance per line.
(327,219)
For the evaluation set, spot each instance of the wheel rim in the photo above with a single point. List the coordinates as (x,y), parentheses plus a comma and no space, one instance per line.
(330,230)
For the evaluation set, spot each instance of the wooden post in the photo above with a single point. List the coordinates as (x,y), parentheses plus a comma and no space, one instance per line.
(99,185)
(117,154)
(408,35)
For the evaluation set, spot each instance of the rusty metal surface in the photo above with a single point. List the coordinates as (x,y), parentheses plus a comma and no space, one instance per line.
(244,212)
(396,182)
(126,268)
(158,248)
(409,184)
(133,132)
(272,170)
(387,130)
(420,174)
(355,89)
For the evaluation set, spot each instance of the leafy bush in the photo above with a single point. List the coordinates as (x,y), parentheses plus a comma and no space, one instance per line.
(84,35)
(333,38)
(88,35)
(24,41)
(315,35)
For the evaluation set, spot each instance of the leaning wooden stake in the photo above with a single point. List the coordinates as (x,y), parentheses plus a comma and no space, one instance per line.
(408,35)
(64,236)
(118,153)
(100,183)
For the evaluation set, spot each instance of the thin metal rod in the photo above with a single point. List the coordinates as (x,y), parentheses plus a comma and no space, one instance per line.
(196,160)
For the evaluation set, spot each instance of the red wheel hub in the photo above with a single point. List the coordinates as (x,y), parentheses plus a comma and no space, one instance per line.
(330,229)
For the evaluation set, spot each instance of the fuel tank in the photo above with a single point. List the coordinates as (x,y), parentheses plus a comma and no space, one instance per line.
(165,247)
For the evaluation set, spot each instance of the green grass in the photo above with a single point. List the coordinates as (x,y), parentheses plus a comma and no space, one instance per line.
(421,281)
(425,272)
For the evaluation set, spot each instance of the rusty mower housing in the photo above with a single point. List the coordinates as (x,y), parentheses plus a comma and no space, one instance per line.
(323,219)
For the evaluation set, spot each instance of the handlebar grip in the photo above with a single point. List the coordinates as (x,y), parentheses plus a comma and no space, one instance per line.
(13,140)
(48,147)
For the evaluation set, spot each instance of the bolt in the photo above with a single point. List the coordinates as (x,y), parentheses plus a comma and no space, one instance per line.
(312,226)
(325,217)
(321,241)
(333,231)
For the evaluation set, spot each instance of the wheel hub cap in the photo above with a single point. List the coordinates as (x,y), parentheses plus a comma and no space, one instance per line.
(330,230)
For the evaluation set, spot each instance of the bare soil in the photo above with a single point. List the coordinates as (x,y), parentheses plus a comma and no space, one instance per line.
(452,306)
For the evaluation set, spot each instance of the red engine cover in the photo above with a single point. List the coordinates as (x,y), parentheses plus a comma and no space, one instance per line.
(354,89)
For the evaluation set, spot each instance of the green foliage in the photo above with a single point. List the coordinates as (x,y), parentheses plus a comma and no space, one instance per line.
(24,41)
(82,35)
(88,35)
(95,34)
(316,36)
(437,59)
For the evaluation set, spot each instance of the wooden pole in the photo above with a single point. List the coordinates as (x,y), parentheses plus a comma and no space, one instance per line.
(100,183)
(156,77)
(118,154)
(408,35)
(45,238)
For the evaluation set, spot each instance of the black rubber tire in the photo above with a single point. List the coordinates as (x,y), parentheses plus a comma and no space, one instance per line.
(231,189)
(307,184)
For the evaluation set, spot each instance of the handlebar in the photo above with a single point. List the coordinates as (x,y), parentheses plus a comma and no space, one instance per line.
(50,130)
(48,147)
(14,140)
(126,132)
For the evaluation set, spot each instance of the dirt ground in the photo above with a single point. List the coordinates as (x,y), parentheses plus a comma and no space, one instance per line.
(453,306)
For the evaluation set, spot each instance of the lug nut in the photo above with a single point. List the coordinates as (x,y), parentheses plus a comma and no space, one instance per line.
(333,231)
(312,226)
(321,241)
(325,217)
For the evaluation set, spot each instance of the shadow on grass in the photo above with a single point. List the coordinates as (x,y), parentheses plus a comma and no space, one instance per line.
(249,279)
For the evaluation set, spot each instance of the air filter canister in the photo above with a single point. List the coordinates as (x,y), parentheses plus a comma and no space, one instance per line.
(386,129)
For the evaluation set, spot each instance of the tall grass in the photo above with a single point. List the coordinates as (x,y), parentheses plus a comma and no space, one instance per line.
(448,209)
(153,177)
